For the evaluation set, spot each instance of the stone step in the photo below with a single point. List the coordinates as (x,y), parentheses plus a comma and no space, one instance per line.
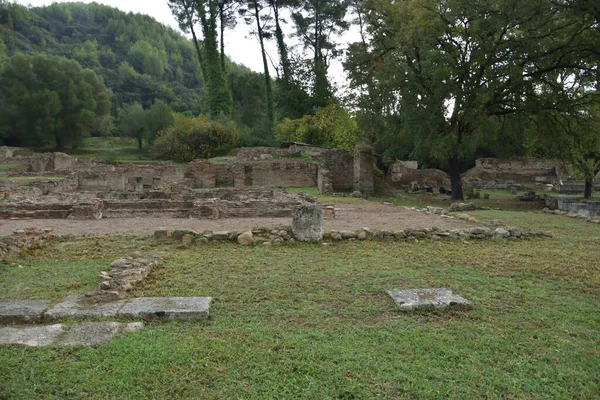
(171,308)
(22,311)
(83,334)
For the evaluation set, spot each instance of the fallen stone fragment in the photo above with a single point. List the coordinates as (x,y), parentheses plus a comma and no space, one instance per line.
(246,238)
(83,334)
(439,298)
(167,307)
(22,311)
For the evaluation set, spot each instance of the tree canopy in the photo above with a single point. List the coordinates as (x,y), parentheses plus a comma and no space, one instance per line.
(49,100)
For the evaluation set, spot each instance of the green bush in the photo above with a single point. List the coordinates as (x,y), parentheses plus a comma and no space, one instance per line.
(192,138)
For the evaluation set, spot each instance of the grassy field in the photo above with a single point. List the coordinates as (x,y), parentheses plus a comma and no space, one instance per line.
(314,322)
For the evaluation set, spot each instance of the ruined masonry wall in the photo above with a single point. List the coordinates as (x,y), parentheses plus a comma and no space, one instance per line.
(284,173)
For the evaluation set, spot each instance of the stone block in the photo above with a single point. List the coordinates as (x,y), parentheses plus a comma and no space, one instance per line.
(171,308)
(83,334)
(75,306)
(439,298)
(31,336)
(22,311)
(307,223)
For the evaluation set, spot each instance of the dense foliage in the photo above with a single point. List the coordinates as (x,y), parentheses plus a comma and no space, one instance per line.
(330,126)
(50,100)
(191,138)
(461,79)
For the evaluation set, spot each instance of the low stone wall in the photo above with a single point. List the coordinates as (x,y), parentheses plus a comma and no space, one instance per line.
(492,172)
(284,235)
(402,176)
(587,209)
(21,240)
(209,204)
(247,154)
(285,173)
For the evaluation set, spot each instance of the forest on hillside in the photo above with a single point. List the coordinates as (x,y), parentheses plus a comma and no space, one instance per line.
(441,82)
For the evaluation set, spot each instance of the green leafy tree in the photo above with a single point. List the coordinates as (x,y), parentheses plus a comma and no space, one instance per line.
(330,126)
(192,138)
(50,100)
(259,23)
(316,24)
(188,13)
(132,123)
(158,118)
(459,70)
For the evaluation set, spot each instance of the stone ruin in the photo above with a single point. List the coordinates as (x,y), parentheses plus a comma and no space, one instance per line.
(55,185)
(123,274)
(488,173)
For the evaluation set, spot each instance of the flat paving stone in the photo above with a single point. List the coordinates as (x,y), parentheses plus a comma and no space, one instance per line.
(167,307)
(22,311)
(74,306)
(31,336)
(438,298)
(83,334)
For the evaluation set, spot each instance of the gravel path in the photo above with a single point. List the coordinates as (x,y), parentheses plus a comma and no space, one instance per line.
(349,216)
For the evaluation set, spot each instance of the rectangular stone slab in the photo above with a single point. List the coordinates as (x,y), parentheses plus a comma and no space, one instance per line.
(22,311)
(438,298)
(83,334)
(171,308)
(74,306)
(31,336)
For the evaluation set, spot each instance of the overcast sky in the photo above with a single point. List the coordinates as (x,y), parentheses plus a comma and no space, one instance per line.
(238,45)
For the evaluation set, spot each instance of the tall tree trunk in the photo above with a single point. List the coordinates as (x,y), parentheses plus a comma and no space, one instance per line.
(589,187)
(139,139)
(455,180)
(281,47)
(222,27)
(270,109)
(188,15)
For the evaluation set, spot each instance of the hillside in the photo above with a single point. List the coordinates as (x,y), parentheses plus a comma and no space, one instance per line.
(138,58)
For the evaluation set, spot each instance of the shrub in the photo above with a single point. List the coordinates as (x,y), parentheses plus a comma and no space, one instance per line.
(191,138)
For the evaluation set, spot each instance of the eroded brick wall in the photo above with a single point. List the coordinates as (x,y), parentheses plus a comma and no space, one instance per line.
(286,173)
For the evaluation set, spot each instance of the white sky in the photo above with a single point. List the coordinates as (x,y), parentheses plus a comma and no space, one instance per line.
(238,45)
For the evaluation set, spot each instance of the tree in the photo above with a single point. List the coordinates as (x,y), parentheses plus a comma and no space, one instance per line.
(192,138)
(316,23)
(188,13)
(132,123)
(252,15)
(50,100)
(457,70)
(157,118)
(330,126)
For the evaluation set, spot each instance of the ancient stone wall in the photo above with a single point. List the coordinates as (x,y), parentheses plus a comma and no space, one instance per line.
(290,150)
(336,170)
(401,176)
(286,173)
(489,171)
(207,174)
(364,171)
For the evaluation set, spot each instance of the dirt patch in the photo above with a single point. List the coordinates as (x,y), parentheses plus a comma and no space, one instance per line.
(349,216)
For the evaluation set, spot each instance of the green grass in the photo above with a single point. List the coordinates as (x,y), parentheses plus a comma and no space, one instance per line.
(112,149)
(314,322)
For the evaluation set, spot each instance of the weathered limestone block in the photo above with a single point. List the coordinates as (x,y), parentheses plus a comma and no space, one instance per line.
(307,223)
(22,311)
(441,298)
(246,238)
